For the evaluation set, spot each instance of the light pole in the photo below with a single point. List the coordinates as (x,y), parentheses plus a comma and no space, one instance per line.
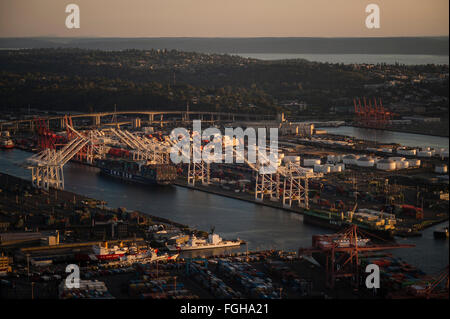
(28,265)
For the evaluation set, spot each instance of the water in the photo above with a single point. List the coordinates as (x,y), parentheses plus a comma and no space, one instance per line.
(382,136)
(263,227)
(409,59)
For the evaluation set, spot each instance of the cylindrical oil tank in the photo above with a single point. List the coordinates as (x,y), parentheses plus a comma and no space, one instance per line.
(386,165)
(401,164)
(441,169)
(311,162)
(350,159)
(365,162)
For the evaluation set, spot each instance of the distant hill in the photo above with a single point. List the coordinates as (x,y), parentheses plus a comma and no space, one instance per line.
(395,45)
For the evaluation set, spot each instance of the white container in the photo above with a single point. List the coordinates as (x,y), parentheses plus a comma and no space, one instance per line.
(342,166)
(386,165)
(386,150)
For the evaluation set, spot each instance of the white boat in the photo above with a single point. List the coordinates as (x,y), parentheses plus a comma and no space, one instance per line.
(213,241)
(148,256)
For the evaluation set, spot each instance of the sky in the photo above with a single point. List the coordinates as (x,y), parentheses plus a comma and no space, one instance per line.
(223,18)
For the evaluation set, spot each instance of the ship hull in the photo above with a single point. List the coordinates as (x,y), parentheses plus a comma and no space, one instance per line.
(339,225)
(232,244)
(132,178)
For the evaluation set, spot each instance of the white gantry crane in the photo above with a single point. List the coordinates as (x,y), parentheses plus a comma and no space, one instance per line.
(142,147)
(293,177)
(47,166)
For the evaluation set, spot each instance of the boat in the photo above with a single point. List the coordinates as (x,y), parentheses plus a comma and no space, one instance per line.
(336,221)
(124,254)
(6,143)
(441,233)
(213,241)
(143,172)
(146,256)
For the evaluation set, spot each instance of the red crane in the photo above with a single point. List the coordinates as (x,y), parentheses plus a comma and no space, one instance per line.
(372,116)
(45,137)
(342,251)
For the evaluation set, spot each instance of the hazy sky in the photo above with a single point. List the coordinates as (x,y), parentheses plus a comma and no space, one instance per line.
(223,18)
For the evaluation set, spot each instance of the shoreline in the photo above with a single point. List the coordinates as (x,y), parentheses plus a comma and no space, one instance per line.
(276,205)
(393,130)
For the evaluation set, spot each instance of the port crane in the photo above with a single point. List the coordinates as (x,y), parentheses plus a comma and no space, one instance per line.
(342,252)
(47,166)
(143,148)
(375,116)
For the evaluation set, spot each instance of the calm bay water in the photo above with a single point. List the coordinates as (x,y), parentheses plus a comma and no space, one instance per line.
(263,227)
(409,59)
(382,136)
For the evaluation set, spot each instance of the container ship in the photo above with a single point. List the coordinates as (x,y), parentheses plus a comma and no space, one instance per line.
(213,241)
(372,222)
(139,172)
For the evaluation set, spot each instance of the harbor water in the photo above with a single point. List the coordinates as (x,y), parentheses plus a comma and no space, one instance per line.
(262,227)
(384,136)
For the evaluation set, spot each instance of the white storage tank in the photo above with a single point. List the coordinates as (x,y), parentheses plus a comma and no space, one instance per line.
(365,162)
(350,159)
(335,169)
(321,168)
(386,165)
(424,154)
(317,168)
(331,159)
(441,169)
(308,169)
(411,152)
(295,159)
(397,159)
(414,163)
(311,161)
(401,164)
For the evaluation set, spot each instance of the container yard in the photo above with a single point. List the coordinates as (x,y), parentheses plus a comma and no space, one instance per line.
(334,183)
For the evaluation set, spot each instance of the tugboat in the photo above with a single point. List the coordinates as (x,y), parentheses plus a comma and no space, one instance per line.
(5,141)
(441,233)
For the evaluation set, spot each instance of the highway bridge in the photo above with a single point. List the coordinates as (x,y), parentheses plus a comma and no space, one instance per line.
(150,117)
